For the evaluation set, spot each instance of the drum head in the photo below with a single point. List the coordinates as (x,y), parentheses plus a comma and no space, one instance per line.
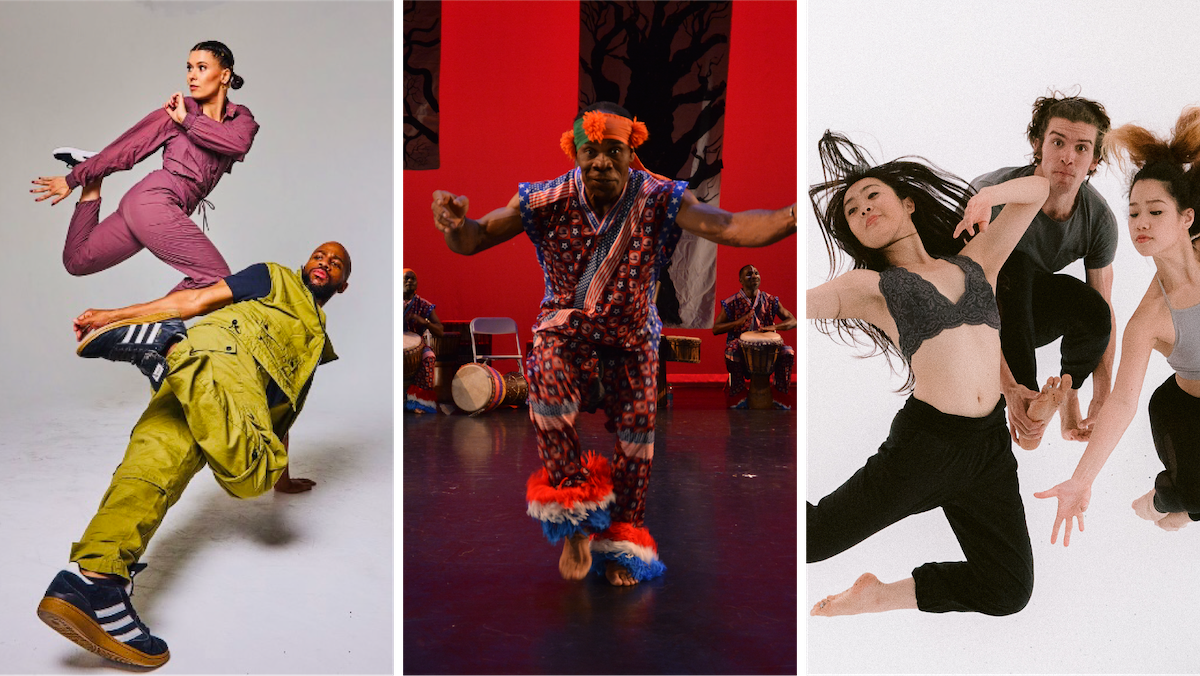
(473,387)
(411,341)
(760,337)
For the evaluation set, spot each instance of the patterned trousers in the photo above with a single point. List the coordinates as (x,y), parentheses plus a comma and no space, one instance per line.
(567,376)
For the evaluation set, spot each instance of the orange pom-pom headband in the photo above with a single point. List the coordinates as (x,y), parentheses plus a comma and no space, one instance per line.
(595,126)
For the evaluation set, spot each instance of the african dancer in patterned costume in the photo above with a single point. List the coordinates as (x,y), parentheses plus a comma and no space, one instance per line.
(419,317)
(751,309)
(603,234)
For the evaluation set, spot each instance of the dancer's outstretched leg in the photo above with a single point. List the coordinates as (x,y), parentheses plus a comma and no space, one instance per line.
(869,595)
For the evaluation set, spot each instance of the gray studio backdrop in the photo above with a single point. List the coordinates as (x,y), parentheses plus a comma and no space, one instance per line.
(319,82)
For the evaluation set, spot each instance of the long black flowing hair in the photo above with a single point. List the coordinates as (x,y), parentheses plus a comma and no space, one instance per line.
(939,198)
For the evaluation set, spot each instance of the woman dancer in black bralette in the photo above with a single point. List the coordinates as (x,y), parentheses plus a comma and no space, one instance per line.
(900,223)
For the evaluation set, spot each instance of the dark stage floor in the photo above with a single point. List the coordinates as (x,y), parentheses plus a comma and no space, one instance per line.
(482,593)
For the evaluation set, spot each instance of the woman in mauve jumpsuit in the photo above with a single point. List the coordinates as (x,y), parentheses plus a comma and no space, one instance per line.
(201,137)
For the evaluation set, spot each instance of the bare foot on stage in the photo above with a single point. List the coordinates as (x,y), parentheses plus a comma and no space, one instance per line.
(1174,521)
(576,557)
(1144,507)
(618,575)
(1044,405)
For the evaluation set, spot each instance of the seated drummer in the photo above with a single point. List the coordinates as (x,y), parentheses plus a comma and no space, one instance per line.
(753,310)
(419,316)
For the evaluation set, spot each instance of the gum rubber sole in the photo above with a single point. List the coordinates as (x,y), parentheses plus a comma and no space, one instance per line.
(143,319)
(82,630)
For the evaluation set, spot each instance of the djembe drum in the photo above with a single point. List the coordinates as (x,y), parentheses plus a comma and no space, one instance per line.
(675,348)
(759,351)
(445,351)
(479,388)
(413,346)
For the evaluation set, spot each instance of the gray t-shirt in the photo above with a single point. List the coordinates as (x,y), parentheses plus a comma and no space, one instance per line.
(1090,233)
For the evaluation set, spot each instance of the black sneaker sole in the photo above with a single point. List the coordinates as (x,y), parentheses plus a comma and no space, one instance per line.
(77,627)
(143,319)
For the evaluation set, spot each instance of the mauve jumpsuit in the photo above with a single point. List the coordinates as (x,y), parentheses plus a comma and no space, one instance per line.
(154,214)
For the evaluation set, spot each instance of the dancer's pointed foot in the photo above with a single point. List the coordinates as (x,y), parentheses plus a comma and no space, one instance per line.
(576,557)
(1174,521)
(1070,417)
(862,595)
(1043,406)
(618,575)
(1144,508)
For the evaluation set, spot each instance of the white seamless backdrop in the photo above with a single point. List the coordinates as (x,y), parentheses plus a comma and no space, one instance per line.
(954,82)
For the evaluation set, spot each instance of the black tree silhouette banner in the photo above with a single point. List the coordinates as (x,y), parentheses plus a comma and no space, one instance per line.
(667,64)
(422,63)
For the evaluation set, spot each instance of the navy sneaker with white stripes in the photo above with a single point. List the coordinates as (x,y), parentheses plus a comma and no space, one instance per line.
(97,615)
(142,341)
(72,156)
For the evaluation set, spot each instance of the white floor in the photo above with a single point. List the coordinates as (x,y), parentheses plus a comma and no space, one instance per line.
(280,584)
(1121,599)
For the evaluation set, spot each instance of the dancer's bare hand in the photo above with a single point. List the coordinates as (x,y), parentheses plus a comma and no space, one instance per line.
(1017,399)
(51,186)
(978,212)
(1073,498)
(175,107)
(449,210)
(91,319)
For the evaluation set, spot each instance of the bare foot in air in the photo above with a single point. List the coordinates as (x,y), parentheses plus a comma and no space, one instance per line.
(576,557)
(1044,405)
(859,598)
(1174,521)
(1144,508)
(618,575)
(1070,417)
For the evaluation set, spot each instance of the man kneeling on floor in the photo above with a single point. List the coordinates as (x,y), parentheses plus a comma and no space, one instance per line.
(226,391)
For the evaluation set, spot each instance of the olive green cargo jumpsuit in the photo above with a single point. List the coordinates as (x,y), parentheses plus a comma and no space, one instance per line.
(212,409)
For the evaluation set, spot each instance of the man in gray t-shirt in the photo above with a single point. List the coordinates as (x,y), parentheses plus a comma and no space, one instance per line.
(1037,306)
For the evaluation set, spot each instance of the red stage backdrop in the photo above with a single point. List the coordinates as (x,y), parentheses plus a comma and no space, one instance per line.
(509,87)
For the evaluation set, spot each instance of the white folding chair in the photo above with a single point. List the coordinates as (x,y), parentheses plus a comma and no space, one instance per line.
(496,326)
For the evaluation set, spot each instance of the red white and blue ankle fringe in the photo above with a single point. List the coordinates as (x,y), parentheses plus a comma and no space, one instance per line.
(564,512)
(420,400)
(630,546)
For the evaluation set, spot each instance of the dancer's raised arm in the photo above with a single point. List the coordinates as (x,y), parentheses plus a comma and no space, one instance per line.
(1139,339)
(468,236)
(1023,198)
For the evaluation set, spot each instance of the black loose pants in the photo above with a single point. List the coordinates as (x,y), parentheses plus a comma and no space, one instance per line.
(1175,426)
(1037,307)
(963,465)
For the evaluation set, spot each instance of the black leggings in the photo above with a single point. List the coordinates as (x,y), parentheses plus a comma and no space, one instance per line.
(1037,307)
(966,467)
(1175,425)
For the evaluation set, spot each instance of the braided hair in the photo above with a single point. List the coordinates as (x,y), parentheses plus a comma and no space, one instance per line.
(224,56)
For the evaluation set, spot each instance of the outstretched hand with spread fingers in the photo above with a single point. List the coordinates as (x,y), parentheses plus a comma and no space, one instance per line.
(52,186)
(1073,498)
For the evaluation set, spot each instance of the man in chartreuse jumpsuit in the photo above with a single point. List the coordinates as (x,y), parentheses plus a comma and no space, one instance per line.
(226,391)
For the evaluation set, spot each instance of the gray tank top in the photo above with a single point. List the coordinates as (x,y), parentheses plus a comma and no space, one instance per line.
(922,312)
(1185,356)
